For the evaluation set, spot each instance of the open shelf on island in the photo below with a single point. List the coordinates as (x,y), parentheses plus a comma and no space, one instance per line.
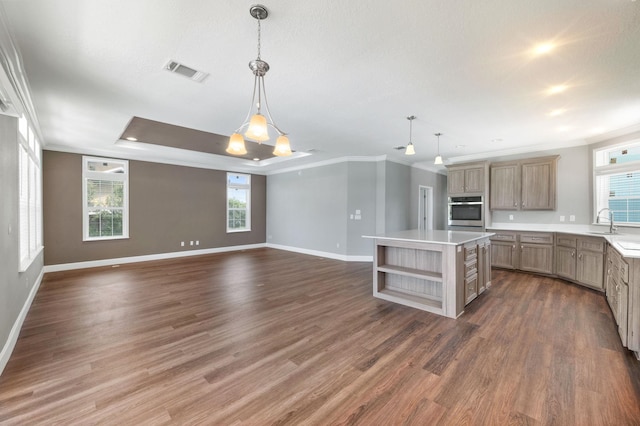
(415,301)
(411,272)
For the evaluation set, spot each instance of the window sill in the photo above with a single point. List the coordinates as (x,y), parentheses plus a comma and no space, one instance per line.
(26,263)
(233,231)
(124,237)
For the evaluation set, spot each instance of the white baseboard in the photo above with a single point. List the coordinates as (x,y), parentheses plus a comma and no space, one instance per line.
(326,254)
(17,325)
(145,258)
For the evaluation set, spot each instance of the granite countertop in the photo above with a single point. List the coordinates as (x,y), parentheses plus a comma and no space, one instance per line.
(626,242)
(433,236)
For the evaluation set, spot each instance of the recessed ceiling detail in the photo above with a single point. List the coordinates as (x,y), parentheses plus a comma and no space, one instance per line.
(158,133)
(185,71)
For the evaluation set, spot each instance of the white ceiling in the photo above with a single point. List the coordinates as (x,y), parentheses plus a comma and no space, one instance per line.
(344,75)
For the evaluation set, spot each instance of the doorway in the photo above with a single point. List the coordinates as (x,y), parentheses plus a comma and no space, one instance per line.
(425,208)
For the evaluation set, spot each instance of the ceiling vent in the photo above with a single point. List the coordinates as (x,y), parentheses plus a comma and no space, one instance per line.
(183,70)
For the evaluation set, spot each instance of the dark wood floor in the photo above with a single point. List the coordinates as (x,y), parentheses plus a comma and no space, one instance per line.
(271,337)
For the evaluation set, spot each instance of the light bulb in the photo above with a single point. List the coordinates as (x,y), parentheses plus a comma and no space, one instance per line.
(282,148)
(236,145)
(438,159)
(410,150)
(258,128)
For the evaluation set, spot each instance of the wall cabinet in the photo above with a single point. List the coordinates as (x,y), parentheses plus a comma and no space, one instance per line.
(524,185)
(466,179)
(580,259)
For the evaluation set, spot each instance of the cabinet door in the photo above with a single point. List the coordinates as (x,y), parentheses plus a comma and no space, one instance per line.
(474,179)
(470,288)
(505,187)
(455,181)
(536,258)
(504,254)
(484,265)
(623,313)
(539,185)
(566,262)
(590,268)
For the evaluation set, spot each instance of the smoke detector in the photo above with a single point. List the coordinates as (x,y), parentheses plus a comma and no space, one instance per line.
(185,71)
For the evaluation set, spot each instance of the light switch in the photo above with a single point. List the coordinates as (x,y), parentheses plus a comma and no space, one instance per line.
(510,217)
(358,212)
(572,218)
(562,218)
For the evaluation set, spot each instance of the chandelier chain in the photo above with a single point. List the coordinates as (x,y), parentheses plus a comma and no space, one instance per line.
(259,37)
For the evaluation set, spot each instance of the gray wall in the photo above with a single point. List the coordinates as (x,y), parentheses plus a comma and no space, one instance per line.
(397,191)
(361,195)
(573,190)
(168,204)
(14,286)
(315,208)
(437,181)
(307,208)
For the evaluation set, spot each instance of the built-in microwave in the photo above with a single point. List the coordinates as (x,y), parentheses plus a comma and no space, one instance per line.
(466,211)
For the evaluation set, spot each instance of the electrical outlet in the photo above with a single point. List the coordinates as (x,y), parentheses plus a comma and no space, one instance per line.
(572,218)
(562,218)
(182,243)
(510,217)
(190,243)
(197,242)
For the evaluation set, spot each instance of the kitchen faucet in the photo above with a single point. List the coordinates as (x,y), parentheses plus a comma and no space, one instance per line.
(612,228)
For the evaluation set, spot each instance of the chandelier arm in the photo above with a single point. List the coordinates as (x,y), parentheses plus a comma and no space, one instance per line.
(253,98)
(266,107)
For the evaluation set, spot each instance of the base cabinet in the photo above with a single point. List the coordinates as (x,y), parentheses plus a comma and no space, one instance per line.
(617,290)
(580,259)
(504,253)
(536,252)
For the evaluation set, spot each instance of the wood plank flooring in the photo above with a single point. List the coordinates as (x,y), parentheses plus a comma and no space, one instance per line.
(264,337)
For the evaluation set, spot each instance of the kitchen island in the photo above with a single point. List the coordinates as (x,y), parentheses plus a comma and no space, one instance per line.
(436,271)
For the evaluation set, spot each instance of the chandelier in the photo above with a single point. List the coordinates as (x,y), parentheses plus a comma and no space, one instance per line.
(257,125)
(410,150)
(438,159)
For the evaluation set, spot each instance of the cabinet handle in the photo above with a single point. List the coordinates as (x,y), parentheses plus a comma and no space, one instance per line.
(515,205)
(580,256)
(573,253)
(514,246)
(521,247)
(522,204)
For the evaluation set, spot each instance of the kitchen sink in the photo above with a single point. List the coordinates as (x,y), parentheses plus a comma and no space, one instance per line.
(602,233)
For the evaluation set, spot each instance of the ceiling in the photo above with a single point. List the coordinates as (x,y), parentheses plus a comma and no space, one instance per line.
(344,75)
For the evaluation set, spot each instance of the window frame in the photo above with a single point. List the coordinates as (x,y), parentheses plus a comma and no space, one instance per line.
(29,152)
(247,187)
(611,169)
(114,177)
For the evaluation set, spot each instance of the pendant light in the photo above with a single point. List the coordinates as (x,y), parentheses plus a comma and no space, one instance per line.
(438,159)
(410,150)
(258,124)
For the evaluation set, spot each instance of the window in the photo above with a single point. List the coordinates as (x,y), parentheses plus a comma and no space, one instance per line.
(238,202)
(30,194)
(617,184)
(105,188)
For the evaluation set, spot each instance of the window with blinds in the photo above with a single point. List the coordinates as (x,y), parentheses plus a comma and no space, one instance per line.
(30,194)
(238,202)
(617,184)
(105,198)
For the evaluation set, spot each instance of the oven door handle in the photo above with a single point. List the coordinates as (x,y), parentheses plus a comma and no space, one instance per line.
(474,203)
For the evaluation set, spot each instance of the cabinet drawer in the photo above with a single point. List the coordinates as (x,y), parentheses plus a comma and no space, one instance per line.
(566,240)
(504,236)
(541,238)
(470,267)
(591,244)
(470,252)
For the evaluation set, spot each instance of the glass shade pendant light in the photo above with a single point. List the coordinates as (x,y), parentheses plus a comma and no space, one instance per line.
(438,159)
(410,150)
(257,125)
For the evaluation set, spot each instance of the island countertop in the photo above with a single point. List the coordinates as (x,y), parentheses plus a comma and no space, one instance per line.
(433,236)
